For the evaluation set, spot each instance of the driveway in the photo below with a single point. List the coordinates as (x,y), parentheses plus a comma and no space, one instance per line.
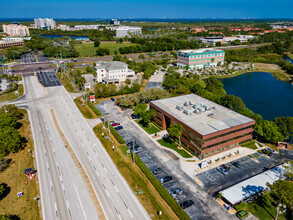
(156,80)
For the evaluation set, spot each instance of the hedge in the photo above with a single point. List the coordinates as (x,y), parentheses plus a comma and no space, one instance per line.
(115,134)
(161,189)
(95,110)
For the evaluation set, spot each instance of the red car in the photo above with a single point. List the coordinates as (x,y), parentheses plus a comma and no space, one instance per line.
(115,124)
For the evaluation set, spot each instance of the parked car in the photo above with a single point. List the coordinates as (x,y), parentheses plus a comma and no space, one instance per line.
(112,99)
(186,204)
(112,122)
(137,150)
(131,143)
(165,179)
(157,170)
(135,116)
(236,164)
(115,124)
(176,192)
(226,167)
(119,127)
(242,214)
(222,170)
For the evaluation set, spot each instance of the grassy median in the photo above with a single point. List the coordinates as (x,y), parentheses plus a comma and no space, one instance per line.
(85,110)
(149,197)
(66,83)
(25,207)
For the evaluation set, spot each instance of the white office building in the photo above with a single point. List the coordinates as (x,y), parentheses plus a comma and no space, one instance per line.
(42,23)
(127,31)
(114,22)
(86,27)
(113,72)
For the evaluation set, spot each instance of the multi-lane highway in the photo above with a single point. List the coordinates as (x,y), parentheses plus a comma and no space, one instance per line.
(64,194)
(116,198)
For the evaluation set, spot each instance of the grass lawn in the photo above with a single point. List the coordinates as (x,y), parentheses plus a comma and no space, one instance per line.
(87,50)
(150,130)
(25,207)
(250,144)
(149,198)
(85,110)
(66,83)
(170,144)
(10,96)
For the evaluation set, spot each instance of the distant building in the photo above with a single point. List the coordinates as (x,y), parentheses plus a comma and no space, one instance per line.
(43,23)
(86,27)
(197,29)
(63,27)
(114,22)
(113,72)
(15,30)
(127,31)
(202,58)
(11,42)
(208,128)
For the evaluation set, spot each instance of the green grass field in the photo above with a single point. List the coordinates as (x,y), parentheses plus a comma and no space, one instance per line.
(150,130)
(250,144)
(87,50)
(170,144)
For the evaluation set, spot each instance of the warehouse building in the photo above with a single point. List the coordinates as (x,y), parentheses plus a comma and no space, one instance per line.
(202,58)
(208,128)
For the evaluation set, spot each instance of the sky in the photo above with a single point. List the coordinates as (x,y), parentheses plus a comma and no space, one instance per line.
(146,8)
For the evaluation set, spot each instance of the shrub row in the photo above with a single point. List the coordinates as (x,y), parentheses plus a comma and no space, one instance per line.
(14,87)
(115,134)
(95,110)
(162,191)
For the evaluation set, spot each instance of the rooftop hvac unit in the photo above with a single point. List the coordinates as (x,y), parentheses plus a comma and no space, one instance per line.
(186,103)
(179,107)
(196,111)
(187,111)
(206,107)
(198,104)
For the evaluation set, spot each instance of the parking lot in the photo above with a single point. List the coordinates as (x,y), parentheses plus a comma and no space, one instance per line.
(27,58)
(155,157)
(213,180)
(48,78)
(42,58)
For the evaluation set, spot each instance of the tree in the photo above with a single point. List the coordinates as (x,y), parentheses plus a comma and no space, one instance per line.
(97,43)
(175,130)
(139,109)
(213,60)
(141,56)
(128,81)
(10,141)
(147,116)
(282,192)
(7,120)
(120,40)
(218,44)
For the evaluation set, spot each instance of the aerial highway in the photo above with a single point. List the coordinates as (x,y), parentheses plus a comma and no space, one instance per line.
(64,194)
(63,191)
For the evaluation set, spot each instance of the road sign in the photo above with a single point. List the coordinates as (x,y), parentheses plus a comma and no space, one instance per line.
(92,98)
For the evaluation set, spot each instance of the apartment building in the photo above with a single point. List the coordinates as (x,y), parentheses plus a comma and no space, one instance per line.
(42,23)
(15,30)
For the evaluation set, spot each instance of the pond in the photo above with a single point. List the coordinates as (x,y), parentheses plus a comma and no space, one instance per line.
(59,36)
(262,93)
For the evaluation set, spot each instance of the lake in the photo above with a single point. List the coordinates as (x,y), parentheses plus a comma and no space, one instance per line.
(262,93)
(59,36)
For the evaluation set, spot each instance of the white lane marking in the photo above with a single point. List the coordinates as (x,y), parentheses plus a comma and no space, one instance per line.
(79,201)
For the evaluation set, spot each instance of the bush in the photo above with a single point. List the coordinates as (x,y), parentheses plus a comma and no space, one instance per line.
(95,110)
(115,134)
(162,191)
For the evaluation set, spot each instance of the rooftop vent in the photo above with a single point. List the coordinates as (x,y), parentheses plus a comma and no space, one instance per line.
(187,111)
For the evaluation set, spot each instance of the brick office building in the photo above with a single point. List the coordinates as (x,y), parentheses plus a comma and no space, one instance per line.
(208,128)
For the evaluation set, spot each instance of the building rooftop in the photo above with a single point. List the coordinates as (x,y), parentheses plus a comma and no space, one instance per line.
(253,185)
(201,115)
(206,50)
(114,65)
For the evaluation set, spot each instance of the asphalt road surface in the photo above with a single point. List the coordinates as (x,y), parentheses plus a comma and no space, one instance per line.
(42,58)
(48,78)
(63,192)
(27,58)
(116,198)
